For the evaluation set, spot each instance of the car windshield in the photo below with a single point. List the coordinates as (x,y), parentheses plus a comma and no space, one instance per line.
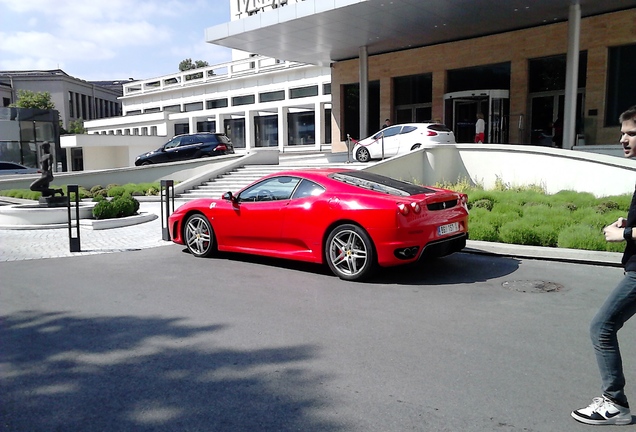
(380,183)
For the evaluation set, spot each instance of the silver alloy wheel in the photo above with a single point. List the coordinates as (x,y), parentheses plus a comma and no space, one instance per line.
(199,236)
(350,252)
(363,155)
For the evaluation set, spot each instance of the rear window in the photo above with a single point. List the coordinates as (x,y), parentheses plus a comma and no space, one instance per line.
(407,129)
(439,128)
(380,183)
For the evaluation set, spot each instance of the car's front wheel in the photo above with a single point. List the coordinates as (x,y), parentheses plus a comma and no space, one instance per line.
(363,155)
(349,252)
(198,236)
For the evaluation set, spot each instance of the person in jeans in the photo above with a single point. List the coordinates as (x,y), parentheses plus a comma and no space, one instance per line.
(612,407)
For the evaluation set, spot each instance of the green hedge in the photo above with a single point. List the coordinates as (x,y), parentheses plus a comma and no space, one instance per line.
(120,206)
(529,216)
(112,190)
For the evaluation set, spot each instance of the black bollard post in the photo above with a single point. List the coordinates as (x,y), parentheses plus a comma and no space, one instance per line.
(167,204)
(74,242)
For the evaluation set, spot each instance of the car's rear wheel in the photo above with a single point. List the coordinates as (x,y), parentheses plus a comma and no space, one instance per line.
(349,252)
(363,155)
(198,236)
(416,146)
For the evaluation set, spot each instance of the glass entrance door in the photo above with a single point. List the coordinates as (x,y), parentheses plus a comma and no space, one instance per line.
(546,119)
(461,109)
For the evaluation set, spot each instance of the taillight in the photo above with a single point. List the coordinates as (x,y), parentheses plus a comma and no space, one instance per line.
(221,147)
(431,133)
(463,200)
(405,209)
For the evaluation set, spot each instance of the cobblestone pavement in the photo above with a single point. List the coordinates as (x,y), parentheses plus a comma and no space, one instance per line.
(16,245)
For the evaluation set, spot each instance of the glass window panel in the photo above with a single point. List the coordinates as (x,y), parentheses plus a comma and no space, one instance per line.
(272,96)
(621,91)
(243,100)
(216,103)
(194,106)
(302,92)
(413,89)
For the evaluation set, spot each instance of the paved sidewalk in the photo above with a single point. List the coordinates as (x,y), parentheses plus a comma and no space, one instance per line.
(16,245)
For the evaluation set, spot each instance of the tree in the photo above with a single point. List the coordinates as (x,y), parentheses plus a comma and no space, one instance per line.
(187,64)
(76,127)
(30,99)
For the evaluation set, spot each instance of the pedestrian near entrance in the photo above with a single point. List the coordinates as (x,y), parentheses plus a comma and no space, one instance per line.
(386,124)
(480,128)
(612,407)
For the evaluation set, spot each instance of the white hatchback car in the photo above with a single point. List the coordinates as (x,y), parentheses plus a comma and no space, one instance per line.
(400,139)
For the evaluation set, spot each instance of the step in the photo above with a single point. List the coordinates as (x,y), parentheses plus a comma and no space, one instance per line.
(238,178)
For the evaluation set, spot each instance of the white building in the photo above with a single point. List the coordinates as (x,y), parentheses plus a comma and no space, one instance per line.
(525,66)
(74,98)
(257,101)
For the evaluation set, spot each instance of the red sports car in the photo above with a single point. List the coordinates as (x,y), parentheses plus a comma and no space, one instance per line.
(352,220)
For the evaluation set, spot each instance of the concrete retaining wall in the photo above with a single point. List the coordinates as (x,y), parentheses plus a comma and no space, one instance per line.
(188,172)
(485,164)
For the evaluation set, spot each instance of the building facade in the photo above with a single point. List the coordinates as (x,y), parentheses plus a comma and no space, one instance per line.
(535,69)
(516,79)
(257,101)
(542,72)
(74,99)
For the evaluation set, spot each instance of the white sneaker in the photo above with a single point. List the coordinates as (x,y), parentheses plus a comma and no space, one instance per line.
(603,411)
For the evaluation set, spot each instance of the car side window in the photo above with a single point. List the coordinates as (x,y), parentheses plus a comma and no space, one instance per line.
(172,143)
(407,129)
(272,189)
(188,140)
(306,189)
(388,132)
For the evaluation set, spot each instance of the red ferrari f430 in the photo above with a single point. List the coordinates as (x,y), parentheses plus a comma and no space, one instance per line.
(351,220)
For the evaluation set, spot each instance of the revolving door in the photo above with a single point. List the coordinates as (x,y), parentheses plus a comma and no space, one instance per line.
(461,109)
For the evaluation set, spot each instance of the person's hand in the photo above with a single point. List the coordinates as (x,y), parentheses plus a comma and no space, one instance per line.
(614,232)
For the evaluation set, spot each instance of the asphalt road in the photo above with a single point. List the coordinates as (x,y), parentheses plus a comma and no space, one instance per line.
(156,340)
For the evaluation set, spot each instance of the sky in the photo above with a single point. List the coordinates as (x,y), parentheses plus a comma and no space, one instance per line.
(107,40)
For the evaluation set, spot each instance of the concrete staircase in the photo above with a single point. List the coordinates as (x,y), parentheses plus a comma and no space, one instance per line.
(239,178)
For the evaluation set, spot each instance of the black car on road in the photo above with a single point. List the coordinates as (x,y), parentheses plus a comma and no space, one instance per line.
(188,146)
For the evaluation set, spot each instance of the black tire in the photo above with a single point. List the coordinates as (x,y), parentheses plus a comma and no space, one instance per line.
(349,253)
(416,146)
(198,236)
(363,155)
(145,163)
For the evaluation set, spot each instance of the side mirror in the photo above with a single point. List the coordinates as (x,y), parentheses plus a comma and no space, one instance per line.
(228,196)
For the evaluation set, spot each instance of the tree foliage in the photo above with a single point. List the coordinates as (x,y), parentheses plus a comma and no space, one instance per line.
(31,99)
(76,127)
(188,64)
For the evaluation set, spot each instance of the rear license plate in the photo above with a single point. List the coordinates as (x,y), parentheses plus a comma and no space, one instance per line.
(448,229)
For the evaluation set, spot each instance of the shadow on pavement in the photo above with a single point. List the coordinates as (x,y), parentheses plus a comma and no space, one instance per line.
(62,372)
(453,269)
